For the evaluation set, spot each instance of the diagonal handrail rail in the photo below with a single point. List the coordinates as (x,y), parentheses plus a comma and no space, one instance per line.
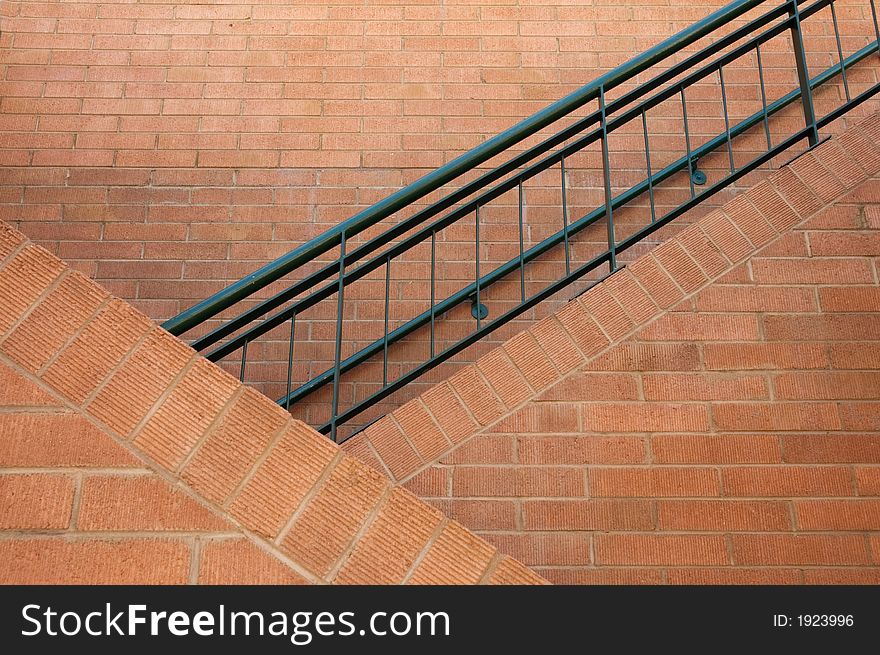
(434,180)
(785,15)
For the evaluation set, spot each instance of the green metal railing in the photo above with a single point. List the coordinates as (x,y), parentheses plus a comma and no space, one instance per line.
(352,264)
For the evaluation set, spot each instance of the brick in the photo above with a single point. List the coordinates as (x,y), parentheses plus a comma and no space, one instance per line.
(686,326)
(723,516)
(519,482)
(421,430)
(842,576)
(280,483)
(395,451)
(749,221)
(393,541)
(326,527)
(653,482)
(702,386)
(661,550)
(684,270)
(645,417)
(511,572)
(593,386)
(827,385)
(541,418)
(239,561)
(531,361)
(837,515)
(862,149)
(606,311)
(769,356)
(476,395)
(89,358)
(868,480)
(755,299)
(456,556)
(556,342)
(583,330)
(480,514)
(430,482)
(227,454)
(716,449)
(849,299)
(131,392)
(449,413)
(776,416)
(35,440)
(733,576)
(35,501)
(857,416)
(795,192)
(812,271)
(726,237)
(483,449)
(772,207)
(602,575)
(95,561)
(17,391)
(639,357)
(141,503)
(659,285)
(184,416)
(832,156)
(581,450)
(631,296)
(786,481)
(504,378)
(696,244)
(790,244)
(788,550)
(838,448)
(819,179)
(544,549)
(593,514)
(22,280)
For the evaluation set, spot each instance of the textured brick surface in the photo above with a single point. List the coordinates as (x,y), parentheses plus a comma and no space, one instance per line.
(83,503)
(135,503)
(239,561)
(715,442)
(95,561)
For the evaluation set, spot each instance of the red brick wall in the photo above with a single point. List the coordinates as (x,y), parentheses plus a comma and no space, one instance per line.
(708,415)
(126,458)
(168,149)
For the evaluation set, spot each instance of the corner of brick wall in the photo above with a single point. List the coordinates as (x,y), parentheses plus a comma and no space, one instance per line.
(428,428)
(230,452)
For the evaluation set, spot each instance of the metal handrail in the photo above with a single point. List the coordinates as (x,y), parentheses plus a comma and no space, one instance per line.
(434,180)
(784,16)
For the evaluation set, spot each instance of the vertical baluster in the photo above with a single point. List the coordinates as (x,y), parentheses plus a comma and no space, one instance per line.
(433,287)
(565,220)
(290,361)
(800,59)
(243,360)
(522,263)
(726,119)
(334,408)
(477,261)
(687,140)
(385,332)
(876,24)
(763,98)
(606,173)
(648,162)
(840,53)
